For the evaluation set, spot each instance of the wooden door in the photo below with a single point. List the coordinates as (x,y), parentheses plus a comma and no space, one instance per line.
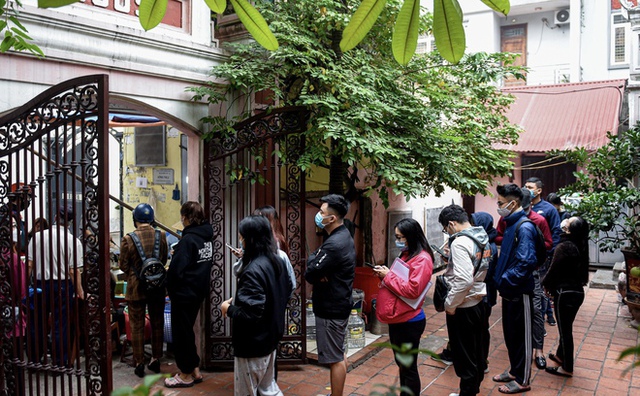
(514,39)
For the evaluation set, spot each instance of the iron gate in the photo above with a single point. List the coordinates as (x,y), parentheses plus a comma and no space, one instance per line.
(53,155)
(242,173)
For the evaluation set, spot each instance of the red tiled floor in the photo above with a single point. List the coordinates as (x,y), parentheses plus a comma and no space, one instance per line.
(601,332)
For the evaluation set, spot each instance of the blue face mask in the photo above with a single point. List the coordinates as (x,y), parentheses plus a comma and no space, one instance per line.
(401,245)
(318,219)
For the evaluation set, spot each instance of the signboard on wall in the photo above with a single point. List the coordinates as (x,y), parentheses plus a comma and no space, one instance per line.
(176,9)
(163,176)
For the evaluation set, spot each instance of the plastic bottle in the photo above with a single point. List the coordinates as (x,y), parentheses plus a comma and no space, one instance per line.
(311,322)
(355,328)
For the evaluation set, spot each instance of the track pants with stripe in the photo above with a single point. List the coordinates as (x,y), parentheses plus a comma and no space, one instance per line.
(517,315)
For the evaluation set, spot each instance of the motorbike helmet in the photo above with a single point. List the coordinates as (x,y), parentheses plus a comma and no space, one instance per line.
(143,213)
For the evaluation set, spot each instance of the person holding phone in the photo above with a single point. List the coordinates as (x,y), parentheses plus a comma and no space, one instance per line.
(406,324)
(188,285)
(257,309)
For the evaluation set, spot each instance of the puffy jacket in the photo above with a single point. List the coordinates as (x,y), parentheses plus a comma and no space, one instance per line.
(190,270)
(258,307)
(514,271)
(331,270)
(389,307)
(466,285)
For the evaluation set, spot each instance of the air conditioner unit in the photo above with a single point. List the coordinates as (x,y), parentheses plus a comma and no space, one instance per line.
(561,17)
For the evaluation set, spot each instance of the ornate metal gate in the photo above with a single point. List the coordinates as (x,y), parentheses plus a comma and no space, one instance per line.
(53,165)
(242,173)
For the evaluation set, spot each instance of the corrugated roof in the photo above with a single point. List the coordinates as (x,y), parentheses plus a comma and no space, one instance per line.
(565,116)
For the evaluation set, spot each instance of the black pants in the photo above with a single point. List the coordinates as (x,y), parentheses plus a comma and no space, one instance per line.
(486,342)
(516,326)
(568,303)
(183,317)
(467,334)
(538,313)
(402,333)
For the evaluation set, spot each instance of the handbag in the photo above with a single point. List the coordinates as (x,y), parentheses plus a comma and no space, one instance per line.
(440,293)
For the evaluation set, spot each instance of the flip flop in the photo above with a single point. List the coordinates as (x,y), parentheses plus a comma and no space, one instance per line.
(177,382)
(504,377)
(514,387)
(197,380)
(554,371)
(555,358)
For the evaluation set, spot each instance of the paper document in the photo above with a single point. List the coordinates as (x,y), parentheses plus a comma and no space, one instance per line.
(401,269)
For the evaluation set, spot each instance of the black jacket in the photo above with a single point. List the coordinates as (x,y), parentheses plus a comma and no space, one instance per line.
(331,270)
(568,269)
(258,308)
(190,269)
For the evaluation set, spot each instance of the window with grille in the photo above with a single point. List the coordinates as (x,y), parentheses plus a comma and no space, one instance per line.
(620,35)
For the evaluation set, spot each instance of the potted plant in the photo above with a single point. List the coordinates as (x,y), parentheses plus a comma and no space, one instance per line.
(607,185)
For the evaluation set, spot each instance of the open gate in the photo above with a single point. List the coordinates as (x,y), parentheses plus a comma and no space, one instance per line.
(242,173)
(53,154)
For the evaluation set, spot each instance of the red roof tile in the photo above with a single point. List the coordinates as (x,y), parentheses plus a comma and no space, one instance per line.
(565,116)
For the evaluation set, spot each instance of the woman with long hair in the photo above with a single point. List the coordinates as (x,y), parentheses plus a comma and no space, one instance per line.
(257,309)
(406,323)
(188,285)
(278,232)
(568,274)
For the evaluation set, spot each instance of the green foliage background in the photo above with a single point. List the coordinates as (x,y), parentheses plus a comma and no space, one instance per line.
(415,129)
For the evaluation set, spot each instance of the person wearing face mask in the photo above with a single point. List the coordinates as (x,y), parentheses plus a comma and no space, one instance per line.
(514,281)
(331,269)
(539,331)
(188,285)
(467,266)
(565,280)
(406,324)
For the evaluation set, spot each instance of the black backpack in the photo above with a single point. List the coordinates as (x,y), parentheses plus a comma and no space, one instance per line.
(541,250)
(152,274)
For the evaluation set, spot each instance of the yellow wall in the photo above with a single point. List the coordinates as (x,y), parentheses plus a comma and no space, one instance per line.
(167,211)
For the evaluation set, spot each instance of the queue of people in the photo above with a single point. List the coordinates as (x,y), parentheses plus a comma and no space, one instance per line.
(475,274)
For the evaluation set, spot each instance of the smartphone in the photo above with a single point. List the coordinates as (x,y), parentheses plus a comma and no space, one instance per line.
(231,247)
(370,265)
(437,249)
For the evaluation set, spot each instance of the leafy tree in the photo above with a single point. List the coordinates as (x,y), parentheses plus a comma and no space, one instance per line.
(415,129)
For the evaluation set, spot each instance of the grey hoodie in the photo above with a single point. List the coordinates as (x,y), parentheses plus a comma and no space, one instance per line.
(465,289)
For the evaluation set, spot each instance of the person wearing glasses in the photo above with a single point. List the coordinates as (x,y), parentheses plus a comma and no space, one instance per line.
(406,322)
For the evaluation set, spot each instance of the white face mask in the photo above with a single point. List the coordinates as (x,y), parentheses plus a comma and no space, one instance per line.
(505,211)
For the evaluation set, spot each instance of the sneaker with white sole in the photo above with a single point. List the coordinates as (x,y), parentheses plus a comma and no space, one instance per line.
(443,357)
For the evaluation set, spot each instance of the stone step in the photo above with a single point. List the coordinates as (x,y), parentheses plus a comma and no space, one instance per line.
(603,279)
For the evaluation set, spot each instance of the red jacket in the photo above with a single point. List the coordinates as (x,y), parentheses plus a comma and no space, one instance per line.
(389,307)
(538,220)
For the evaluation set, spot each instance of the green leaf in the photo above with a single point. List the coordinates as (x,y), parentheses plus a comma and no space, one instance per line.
(7,43)
(149,380)
(405,34)
(502,6)
(55,3)
(448,30)
(217,5)
(255,24)
(17,23)
(152,12)
(361,23)
(124,391)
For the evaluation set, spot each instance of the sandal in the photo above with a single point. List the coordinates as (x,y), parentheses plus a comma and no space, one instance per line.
(177,382)
(555,358)
(504,377)
(197,380)
(513,387)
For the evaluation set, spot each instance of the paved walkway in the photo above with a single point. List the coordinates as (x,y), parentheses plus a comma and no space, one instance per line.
(601,331)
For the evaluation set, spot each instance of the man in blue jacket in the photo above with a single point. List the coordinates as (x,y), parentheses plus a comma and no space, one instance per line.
(513,278)
(331,270)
